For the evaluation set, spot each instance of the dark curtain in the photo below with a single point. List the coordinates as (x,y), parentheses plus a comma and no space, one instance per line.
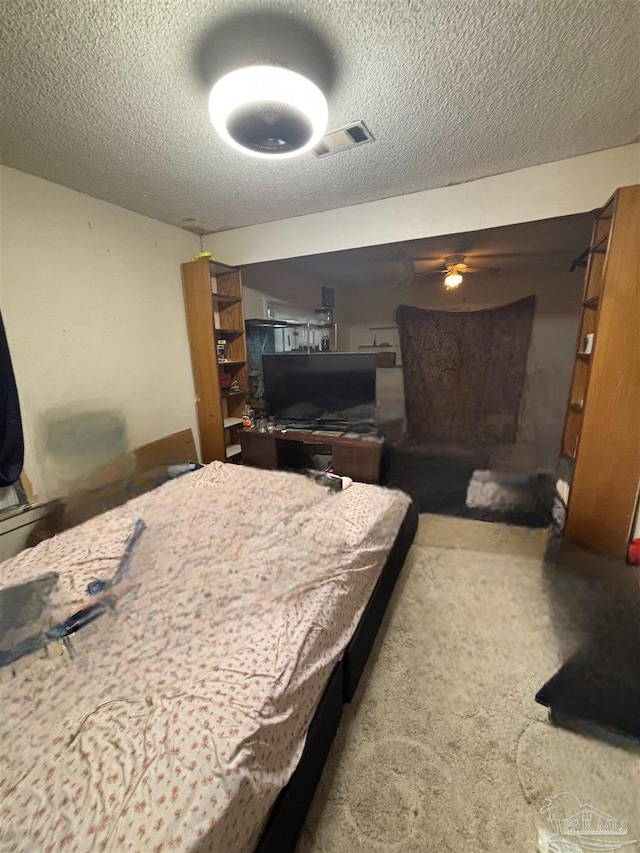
(11,441)
(464,372)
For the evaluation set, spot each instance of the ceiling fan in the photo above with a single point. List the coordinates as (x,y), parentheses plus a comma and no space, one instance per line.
(454,269)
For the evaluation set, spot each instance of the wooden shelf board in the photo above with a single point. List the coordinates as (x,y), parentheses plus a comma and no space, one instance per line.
(223,300)
(232,450)
(216,268)
(227,393)
(603,212)
(591,303)
(228,333)
(231,422)
(599,247)
(576,407)
(231,362)
(584,356)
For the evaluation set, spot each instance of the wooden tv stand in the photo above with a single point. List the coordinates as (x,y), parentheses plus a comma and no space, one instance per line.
(355,456)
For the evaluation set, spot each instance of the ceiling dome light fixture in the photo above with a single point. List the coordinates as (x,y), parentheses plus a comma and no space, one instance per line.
(268,111)
(452,279)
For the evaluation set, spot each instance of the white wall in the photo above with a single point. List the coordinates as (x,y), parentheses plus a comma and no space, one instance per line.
(555,327)
(255,303)
(91,298)
(565,187)
(280,283)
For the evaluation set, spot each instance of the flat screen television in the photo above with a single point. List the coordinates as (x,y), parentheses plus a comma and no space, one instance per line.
(333,388)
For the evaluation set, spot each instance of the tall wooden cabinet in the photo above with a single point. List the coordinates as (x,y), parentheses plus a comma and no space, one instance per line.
(213,305)
(602,428)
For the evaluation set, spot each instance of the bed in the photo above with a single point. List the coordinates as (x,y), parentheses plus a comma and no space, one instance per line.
(197,715)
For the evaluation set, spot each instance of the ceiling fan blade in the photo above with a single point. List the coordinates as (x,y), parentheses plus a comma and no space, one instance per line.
(423,267)
(475,269)
(489,256)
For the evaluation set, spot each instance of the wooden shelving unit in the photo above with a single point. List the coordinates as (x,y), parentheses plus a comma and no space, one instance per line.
(214,309)
(602,426)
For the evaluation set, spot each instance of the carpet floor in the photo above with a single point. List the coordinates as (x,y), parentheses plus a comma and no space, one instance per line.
(444,747)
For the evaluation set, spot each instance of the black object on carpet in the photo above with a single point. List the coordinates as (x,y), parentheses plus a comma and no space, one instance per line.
(595,613)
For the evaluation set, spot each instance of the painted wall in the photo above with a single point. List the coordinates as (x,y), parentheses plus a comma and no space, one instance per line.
(281,284)
(555,327)
(92,303)
(569,186)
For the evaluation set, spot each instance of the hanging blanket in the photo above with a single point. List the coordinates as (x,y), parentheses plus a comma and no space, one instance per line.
(464,372)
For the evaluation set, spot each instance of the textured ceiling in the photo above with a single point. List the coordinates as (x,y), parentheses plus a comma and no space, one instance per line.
(108,98)
(546,246)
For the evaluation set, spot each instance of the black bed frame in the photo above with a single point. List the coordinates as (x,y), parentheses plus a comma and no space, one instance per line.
(290,809)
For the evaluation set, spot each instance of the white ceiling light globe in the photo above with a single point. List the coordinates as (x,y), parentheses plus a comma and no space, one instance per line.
(268,111)
(453,279)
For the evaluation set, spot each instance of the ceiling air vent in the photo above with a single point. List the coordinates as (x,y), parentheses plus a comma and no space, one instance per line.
(349,136)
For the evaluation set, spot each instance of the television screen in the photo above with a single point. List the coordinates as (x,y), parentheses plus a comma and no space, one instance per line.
(337,387)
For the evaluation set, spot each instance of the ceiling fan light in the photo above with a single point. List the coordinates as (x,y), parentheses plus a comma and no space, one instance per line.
(452,279)
(268,111)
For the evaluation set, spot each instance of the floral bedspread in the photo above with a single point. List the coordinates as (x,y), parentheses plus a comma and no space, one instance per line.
(182,715)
